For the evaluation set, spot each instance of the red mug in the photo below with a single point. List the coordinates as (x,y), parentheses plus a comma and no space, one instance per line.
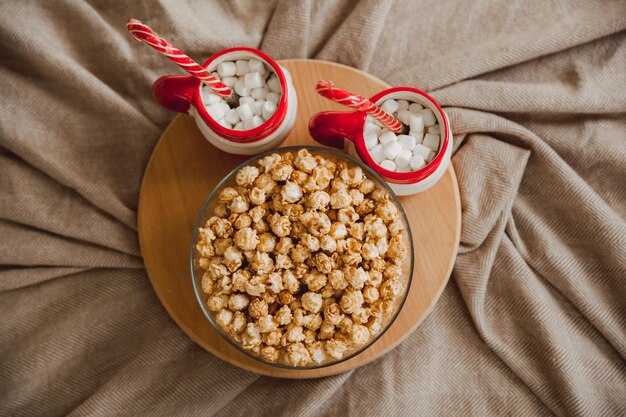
(344,130)
(184,94)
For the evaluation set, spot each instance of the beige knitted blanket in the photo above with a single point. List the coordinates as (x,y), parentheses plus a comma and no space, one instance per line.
(533,321)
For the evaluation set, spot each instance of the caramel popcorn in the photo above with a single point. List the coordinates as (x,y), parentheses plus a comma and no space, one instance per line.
(217,302)
(224,317)
(340,199)
(359,334)
(283,316)
(323,263)
(304,161)
(302,259)
(326,331)
(221,211)
(370,294)
(312,301)
(239,205)
(328,244)
(357,277)
(351,300)
(338,280)
(255,287)
(227,194)
(267,243)
(207,283)
(282,172)
(243,221)
(291,192)
(338,231)
(247,175)
(297,354)
(315,280)
(239,323)
(266,183)
(270,353)
(391,289)
(257,308)
(335,348)
(273,338)
(266,324)
(222,228)
(281,226)
(238,302)
(290,282)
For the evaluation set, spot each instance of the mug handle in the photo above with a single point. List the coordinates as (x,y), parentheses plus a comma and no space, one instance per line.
(332,128)
(175,92)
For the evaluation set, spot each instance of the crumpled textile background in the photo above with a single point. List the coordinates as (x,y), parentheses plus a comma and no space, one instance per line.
(533,320)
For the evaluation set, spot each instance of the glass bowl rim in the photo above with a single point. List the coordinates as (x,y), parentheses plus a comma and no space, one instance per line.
(340,155)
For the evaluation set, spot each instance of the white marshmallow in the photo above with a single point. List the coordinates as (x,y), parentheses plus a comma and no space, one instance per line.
(216,111)
(229,81)
(434,129)
(390,106)
(403,169)
(244,100)
(269,107)
(242,67)
(403,105)
(415,107)
(241,89)
(423,151)
(403,116)
(259,93)
(417,162)
(372,128)
(226,69)
(391,149)
(388,165)
(225,107)
(371,139)
(238,126)
(432,141)
(387,136)
(407,142)
(377,153)
(429,117)
(209,98)
(274,83)
(416,122)
(224,123)
(231,116)
(257,107)
(245,112)
(403,158)
(253,80)
(419,136)
(252,122)
(257,65)
(274,97)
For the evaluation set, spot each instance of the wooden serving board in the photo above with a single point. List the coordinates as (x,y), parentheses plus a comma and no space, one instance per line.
(183,170)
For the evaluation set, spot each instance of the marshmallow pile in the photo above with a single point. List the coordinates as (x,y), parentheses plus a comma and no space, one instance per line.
(258,89)
(404,153)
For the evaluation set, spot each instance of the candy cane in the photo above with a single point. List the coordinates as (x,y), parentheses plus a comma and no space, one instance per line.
(327,89)
(143,33)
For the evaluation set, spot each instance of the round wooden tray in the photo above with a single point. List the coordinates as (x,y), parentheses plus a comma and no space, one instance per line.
(183,170)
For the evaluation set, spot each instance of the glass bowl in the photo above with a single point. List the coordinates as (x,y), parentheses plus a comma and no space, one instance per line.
(208,209)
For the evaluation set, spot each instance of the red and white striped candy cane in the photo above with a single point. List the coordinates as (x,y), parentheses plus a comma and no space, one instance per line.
(143,33)
(327,89)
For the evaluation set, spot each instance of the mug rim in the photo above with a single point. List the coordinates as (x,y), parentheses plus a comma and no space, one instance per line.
(410,177)
(251,135)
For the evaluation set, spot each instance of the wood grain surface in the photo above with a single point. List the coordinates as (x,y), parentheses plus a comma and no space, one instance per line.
(183,170)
